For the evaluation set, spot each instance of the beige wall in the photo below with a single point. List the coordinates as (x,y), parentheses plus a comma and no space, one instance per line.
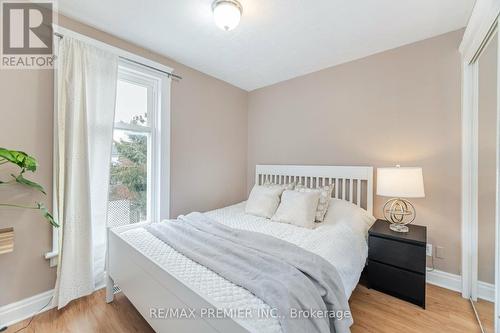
(400,106)
(209,140)
(26,122)
(487,163)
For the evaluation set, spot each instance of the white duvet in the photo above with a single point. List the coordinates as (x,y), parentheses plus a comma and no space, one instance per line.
(342,243)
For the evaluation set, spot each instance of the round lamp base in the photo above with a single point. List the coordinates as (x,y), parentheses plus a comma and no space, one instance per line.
(398,227)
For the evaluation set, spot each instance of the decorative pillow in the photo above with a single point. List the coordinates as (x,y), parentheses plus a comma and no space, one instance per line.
(264,200)
(325,194)
(356,218)
(297,208)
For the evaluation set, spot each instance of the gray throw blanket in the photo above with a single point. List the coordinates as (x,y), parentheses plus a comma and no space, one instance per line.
(285,276)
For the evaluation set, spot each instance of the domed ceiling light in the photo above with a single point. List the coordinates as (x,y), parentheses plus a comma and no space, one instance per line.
(227,13)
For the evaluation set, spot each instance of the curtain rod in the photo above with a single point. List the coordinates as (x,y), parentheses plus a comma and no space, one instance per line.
(136,62)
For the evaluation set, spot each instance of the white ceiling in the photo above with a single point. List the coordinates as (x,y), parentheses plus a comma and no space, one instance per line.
(276,39)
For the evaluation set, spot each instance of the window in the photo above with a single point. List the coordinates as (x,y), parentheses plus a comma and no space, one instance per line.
(133,189)
(143,123)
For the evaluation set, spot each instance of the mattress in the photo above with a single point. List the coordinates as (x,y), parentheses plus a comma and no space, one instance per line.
(338,243)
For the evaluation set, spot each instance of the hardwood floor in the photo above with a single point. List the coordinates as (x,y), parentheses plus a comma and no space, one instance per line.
(486,312)
(446,311)
(90,314)
(373,312)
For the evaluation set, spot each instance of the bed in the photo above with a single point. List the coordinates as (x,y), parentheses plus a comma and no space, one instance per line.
(155,276)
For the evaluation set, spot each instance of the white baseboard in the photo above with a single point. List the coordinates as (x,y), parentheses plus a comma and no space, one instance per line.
(444,280)
(26,308)
(13,313)
(486,291)
(453,282)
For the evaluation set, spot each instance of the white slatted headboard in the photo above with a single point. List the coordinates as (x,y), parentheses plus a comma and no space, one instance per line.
(351,183)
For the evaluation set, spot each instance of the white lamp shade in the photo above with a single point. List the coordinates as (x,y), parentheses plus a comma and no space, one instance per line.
(400,182)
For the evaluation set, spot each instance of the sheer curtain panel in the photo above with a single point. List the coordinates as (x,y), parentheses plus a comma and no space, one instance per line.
(86,93)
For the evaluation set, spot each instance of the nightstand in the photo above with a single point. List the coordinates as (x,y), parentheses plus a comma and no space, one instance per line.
(396,261)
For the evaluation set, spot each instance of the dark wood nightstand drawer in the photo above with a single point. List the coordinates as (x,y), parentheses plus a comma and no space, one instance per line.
(400,283)
(403,255)
(396,261)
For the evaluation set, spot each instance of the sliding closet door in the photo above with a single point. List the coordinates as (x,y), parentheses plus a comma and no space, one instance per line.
(487,180)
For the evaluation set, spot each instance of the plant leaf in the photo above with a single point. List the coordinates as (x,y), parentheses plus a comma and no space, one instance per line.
(21,159)
(21,180)
(46,214)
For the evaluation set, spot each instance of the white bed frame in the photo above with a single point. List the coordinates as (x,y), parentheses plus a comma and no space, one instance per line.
(148,286)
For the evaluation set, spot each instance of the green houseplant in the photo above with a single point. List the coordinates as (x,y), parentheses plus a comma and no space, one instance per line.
(25,163)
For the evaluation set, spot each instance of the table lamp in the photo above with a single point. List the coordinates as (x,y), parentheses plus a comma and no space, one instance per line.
(399,183)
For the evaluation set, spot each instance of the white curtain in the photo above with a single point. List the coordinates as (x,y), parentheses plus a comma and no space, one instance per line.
(83,136)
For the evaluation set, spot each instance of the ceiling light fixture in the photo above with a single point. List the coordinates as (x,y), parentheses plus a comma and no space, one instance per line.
(227,13)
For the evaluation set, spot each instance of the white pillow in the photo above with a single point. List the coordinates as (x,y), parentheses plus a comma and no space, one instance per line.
(264,200)
(342,211)
(297,208)
(325,194)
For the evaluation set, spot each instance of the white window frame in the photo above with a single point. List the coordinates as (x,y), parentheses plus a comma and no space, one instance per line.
(159,177)
(142,76)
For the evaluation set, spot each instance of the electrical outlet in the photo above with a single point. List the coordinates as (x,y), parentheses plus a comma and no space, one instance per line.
(440,252)
(428,250)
